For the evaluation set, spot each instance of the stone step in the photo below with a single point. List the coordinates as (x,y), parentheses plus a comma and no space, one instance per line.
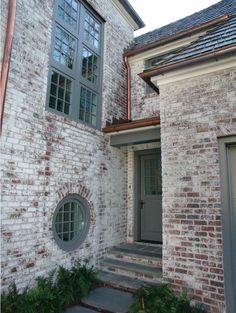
(122,282)
(108,300)
(140,271)
(139,256)
(79,309)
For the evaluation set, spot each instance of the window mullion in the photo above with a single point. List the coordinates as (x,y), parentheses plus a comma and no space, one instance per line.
(79,60)
(70,36)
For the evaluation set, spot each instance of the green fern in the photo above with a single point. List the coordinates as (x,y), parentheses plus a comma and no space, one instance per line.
(52,294)
(161,299)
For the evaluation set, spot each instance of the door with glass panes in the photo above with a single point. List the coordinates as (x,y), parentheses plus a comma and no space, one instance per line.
(227,148)
(151,197)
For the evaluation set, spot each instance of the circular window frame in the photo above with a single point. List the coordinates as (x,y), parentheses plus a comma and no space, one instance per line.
(77,241)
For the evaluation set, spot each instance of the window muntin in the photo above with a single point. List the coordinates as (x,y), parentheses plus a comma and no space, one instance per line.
(60,93)
(92,30)
(64,48)
(152,177)
(89,66)
(88,106)
(67,11)
(76,56)
(71,222)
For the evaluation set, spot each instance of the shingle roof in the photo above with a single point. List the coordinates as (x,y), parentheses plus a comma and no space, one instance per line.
(221,36)
(219,9)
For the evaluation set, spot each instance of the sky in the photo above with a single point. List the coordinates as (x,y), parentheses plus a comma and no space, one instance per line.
(157,13)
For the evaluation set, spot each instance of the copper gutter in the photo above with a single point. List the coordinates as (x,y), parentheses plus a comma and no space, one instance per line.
(179,35)
(152,121)
(128,88)
(7,56)
(191,61)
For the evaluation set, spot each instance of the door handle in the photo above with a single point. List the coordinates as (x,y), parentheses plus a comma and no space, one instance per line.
(142,204)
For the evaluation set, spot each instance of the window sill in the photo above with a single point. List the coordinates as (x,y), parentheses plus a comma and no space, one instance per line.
(51,116)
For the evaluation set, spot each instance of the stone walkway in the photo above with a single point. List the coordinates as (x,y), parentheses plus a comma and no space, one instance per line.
(126,268)
(104,299)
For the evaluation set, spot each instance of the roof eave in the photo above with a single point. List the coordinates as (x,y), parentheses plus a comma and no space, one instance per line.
(177,36)
(153,121)
(137,19)
(148,74)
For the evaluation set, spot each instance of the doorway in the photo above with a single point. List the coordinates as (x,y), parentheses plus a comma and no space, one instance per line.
(227,148)
(149,196)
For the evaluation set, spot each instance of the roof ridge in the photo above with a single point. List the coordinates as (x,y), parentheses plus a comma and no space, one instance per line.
(187,16)
(223,7)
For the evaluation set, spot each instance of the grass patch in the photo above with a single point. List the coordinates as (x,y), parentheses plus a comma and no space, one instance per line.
(52,294)
(162,299)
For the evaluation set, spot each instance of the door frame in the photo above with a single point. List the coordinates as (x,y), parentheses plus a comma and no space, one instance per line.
(226,222)
(137,189)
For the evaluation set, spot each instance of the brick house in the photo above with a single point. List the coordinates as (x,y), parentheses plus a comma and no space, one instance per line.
(108,139)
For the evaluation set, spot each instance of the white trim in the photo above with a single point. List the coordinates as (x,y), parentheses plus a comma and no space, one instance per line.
(194,70)
(164,48)
(125,14)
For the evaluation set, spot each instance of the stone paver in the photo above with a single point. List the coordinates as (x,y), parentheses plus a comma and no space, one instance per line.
(121,281)
(79,309)
(109,299)
(131,266)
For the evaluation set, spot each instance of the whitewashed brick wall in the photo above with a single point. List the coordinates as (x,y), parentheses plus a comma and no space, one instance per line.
(46,156)
(194,113)
(143,105)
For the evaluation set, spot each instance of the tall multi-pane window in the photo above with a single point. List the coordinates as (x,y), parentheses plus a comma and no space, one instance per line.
(75,70)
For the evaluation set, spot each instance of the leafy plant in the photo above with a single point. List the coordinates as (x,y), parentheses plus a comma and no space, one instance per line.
(161,299)
(52,294)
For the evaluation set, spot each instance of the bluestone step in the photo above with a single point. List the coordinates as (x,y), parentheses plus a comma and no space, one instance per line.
(121,282)
(131,269)
(79,309)
(138,256)
(108,299)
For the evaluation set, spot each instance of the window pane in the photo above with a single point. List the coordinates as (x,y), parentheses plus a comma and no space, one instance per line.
(232,167)
(64,49)
(52,102)
(68,11)
(60,93)
(89,65)
(54,77)
(88,106)
(60,105)
(152,174)
(92,30)
(67,108)
(53,89)
(76,47)
(69,221)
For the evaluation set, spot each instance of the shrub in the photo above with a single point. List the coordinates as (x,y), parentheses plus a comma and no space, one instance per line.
(52,294)
(162,299)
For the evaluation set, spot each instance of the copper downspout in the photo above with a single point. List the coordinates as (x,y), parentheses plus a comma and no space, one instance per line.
(170,67)
(128,88)
(7,56)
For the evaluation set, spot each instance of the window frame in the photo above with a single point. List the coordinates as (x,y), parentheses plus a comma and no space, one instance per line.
(75,74)
(226,204)
(78,240)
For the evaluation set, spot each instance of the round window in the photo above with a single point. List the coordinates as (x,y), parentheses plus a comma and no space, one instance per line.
(71,222)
